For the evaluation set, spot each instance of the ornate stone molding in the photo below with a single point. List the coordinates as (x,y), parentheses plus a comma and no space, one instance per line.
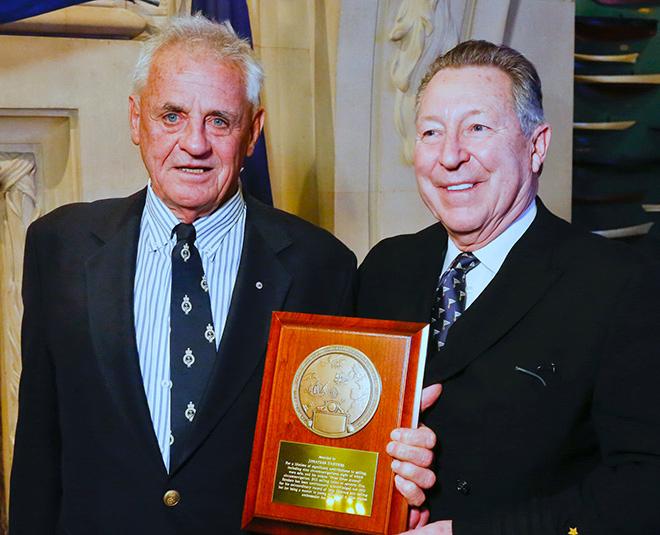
(421,29)
(19,206)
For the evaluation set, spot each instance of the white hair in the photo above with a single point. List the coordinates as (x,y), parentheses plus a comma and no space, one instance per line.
(195,33)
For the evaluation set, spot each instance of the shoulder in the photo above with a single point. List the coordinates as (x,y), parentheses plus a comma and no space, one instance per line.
(578,249)
(298,237)
(599,269)
(397,252)
(81,217)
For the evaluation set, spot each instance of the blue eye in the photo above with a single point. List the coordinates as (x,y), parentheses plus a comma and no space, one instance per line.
(171,117)
(218,122)
(479,128)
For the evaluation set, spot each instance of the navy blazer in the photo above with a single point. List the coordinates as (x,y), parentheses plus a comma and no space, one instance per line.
(549,417)
(86,459)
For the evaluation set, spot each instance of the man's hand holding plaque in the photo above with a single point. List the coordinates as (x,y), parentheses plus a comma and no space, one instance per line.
(412,453)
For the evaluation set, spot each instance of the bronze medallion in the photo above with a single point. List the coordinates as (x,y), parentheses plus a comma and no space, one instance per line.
(335,391)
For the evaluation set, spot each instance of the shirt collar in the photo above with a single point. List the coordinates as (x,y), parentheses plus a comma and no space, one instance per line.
(158,221)
(492,255)
(213,228)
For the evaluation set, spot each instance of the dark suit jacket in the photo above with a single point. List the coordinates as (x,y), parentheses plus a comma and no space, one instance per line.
(550,412)
(86,457)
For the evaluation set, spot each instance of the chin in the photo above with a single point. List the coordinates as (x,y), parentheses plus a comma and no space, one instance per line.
(459,226)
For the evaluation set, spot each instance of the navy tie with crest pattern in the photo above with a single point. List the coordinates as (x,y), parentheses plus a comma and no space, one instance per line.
(192,336)
(449,302)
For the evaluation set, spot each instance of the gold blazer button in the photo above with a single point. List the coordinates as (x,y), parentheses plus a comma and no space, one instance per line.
(171,498)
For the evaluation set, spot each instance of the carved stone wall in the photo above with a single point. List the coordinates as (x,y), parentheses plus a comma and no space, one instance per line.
(19,206)
(64,101)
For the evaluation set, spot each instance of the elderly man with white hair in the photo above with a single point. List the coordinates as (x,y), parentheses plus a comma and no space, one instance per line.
(146,318)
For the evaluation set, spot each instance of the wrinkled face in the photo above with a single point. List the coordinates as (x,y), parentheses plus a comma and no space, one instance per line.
(194,127)
(476,171)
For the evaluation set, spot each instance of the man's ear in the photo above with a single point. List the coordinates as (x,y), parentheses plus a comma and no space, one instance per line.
(540,143)
(134,118)
(255,129)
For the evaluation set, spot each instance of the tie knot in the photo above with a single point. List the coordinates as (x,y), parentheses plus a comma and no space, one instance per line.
(465,262)
(184,232)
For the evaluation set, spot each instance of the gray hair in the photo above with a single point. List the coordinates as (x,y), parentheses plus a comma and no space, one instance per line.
(194,33)
(525,81)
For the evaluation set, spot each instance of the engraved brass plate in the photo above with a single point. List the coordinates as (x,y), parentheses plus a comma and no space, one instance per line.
(335,391)
(324,477)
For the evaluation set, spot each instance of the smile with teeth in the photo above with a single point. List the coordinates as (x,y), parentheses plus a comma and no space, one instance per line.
(194,170)
(459,187)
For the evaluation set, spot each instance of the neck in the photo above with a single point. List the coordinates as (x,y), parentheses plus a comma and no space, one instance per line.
(477,239)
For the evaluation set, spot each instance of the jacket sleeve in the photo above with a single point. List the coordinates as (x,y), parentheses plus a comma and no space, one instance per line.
(35,478)
(621,495)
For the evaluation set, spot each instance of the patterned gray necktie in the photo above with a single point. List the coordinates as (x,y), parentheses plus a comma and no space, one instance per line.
(449,301)
(192,335)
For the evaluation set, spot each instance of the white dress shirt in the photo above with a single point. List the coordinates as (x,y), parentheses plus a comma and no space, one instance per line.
(220,243)
(491,256)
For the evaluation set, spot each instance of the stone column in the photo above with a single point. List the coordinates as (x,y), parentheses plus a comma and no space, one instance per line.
(19,206)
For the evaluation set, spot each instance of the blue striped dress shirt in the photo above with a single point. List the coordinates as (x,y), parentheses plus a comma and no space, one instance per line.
(220,242)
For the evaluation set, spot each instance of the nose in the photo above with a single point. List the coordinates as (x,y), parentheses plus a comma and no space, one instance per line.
(193,138)
(452,153)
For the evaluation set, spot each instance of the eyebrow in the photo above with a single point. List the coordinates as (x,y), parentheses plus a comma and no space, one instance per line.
(168,106)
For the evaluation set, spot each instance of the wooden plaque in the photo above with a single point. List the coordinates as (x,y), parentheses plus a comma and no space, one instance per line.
(333,389)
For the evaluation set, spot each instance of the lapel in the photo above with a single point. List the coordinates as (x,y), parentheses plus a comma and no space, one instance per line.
(423,273)
(109,276)
(244,339)
(523,279)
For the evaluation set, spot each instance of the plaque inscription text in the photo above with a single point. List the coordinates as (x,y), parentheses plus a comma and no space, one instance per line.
(324,477)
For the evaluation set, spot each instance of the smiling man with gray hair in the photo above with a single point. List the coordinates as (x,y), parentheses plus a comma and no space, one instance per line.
(146,318)
(543,337)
